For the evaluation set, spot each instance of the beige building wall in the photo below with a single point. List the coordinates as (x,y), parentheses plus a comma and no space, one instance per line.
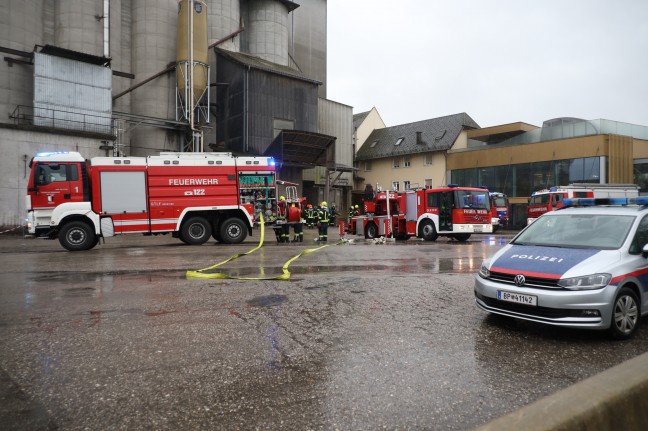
(371,122)
(422,167)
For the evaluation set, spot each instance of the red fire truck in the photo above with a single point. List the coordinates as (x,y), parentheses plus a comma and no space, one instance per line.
(499,210)
(452,211)
(551,199)
(191,195)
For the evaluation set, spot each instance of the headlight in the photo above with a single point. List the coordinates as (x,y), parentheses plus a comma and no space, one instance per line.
(484,272)
(588,282)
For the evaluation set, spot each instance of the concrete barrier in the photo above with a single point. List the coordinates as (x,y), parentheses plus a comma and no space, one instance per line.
(616,399)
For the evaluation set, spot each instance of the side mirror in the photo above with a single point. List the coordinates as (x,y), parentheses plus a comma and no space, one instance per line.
(644,251)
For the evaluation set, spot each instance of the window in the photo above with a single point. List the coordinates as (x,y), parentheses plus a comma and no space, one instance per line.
(428,183)
(367,165)
(399,141)
(395,186)
(54,172)
(373,144)
(428,160)
(396,163)
(406,185)
(407,162)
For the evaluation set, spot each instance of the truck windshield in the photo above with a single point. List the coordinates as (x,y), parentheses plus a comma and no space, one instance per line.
(472,199)
(598,231)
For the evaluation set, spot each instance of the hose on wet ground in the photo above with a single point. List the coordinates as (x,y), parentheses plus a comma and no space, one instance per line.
(285,273)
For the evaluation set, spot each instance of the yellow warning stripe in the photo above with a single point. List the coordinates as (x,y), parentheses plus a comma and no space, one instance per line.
(201,273)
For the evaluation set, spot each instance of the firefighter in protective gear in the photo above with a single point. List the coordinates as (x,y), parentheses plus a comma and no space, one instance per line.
(299,229)
(310,216)
(323,218)
(351,212)
(282,220)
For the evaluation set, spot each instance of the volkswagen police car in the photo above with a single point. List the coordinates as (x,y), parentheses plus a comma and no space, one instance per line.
(583,266)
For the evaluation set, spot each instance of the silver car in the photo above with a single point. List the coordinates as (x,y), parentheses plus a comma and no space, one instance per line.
(578,267)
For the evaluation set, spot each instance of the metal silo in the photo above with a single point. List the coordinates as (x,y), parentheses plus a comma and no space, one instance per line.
(267,30)
(192,69)
(154,26)
(20,28)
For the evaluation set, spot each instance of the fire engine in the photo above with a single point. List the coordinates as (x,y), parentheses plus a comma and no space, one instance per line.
(499,210)
(452,211)
(193,196)
(551,199)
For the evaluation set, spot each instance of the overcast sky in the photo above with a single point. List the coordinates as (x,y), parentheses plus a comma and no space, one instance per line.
(500,61)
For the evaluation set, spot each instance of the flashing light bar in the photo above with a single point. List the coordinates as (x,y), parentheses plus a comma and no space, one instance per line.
(588,202)
(51,153)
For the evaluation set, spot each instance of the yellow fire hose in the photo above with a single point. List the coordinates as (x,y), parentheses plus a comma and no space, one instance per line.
(202,273)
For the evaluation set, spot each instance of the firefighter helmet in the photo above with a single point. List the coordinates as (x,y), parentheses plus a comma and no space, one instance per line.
(323,204)
(356,207)
(282,198)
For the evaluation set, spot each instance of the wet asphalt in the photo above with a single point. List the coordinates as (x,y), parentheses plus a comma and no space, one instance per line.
(362,336)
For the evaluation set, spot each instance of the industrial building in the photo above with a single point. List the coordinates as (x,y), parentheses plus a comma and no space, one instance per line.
(137,77)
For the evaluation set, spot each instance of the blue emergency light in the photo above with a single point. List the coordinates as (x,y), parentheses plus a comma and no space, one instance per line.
(588,202)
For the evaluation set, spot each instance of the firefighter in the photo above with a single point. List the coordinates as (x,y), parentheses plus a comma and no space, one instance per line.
(356,210)
(299,229)
(351,212)
(334,213)
(323,218)
(310,216)
(282,220)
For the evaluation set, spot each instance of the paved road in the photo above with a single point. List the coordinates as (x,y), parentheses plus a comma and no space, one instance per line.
(362,337)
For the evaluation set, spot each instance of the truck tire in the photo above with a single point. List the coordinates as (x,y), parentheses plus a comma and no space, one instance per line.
(77,236)
(463,237)
(371,231)
(233,231)
(195,231)
(427,231)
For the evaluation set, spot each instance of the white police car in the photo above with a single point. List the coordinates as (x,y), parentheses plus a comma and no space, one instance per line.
(584,266)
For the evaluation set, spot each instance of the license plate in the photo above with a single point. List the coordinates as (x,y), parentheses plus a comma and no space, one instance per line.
(517,297)
(478,229)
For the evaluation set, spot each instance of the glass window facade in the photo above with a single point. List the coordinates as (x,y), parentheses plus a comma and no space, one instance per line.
(525,178)
(641,175)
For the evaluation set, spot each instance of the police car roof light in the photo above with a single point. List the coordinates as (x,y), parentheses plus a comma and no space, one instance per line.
(642,200)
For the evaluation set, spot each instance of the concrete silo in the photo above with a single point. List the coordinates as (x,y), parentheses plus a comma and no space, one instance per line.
(154,27)
(224,19)
(20,29)
(266,34)
(78,26)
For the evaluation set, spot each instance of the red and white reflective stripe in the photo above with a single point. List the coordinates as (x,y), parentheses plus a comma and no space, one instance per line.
(9,230)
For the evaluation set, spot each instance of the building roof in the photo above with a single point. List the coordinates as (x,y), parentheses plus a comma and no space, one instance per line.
(359,118)
(265,65)
(436,134)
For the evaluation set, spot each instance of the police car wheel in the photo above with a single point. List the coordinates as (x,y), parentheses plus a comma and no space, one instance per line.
(625,314)
(195,231)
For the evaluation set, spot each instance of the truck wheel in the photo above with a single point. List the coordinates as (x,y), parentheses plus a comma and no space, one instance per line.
(371,231)
(428,232)
(77,236)
(233,231)
(195,231)
(462,237)
(625,314)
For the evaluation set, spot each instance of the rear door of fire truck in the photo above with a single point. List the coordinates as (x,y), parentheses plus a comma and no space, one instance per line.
(56,183)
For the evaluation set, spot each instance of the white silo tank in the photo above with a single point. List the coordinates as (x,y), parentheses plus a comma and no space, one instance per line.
(154,27)
(21,28)
(267,30)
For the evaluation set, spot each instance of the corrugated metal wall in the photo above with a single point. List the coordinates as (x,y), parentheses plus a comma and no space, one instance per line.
(268,96)
(70,94)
